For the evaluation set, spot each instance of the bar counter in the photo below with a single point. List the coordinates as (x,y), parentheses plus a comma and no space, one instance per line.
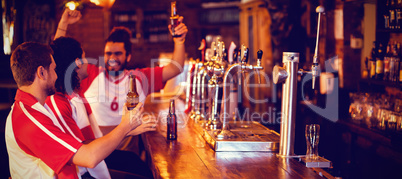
(191,157)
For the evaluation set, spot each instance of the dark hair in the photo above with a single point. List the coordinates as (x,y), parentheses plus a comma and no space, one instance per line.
(66,50)
(121,34)
(26,59)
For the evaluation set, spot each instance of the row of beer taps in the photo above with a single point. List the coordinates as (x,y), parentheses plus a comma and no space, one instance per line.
(212,80)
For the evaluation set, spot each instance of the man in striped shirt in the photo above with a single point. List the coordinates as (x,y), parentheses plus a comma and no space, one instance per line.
(37,143)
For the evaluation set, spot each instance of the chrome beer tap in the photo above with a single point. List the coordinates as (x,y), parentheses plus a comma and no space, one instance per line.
(199,116)
(194,90)
(216,72)
(230,73)
(288,74)
(190,74)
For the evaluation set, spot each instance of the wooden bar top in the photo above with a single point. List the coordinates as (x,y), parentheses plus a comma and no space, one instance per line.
(191,157)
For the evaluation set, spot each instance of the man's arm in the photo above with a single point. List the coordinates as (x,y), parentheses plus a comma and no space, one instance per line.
(68,17)
(176,66)
(89,155)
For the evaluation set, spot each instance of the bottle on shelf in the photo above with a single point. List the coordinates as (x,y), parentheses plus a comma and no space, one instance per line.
(372,63)
(379,61)
(394,65)
(132,96)
(174,18)
(387,59)
(171,122)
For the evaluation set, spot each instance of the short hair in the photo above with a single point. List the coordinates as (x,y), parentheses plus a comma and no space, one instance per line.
(66,50)
(26,59)
(121,34)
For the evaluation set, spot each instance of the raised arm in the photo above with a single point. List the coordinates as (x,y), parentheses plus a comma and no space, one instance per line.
(68,17)
(176,66)
(89,155)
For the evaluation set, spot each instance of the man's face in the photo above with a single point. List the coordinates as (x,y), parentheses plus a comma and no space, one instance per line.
(115,56)
(52,77)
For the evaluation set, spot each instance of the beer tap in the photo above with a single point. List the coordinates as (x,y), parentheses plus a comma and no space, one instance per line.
(190,73)
(315,68)
(194,90)
(195,111)
(288,74)
(231,72)
(216,72)
(199,116)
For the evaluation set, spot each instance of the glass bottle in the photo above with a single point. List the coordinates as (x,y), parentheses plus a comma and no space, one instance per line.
(379,69)
(387,60)
(372,63)
(132,96)
(171,122)
(174,18)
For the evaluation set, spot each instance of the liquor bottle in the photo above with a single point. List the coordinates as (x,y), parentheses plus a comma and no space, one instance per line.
(372,61)
(174,18)
(394,64)
(171,122)
(392,14)
(387,59)
(132,96)
(379,63)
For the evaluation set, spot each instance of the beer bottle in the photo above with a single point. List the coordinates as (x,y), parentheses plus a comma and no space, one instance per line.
(174,18)
(372,61)
(132,96)
(171,122)
(387,61)
(379,69)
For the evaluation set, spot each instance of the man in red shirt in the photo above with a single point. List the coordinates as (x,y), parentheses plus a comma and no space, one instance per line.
(107,84)
(37,143)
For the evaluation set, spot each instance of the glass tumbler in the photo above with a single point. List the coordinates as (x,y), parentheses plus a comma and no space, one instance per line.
(312,134)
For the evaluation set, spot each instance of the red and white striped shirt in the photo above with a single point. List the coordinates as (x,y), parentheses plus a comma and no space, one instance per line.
(37,144)
(71,112)
(107,96)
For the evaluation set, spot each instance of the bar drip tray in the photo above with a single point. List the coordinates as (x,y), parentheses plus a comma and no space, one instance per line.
(249,136)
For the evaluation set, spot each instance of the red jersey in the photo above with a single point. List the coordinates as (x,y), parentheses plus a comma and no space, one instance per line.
(106,96)
(37,144)
(71,112)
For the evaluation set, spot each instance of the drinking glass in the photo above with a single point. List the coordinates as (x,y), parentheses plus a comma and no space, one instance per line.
(312,138)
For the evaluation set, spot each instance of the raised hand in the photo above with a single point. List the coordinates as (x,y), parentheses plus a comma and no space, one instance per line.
(181,30)
(70,16)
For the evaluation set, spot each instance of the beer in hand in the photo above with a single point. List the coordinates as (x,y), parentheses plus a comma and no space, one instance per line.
(174,18)
(132,96)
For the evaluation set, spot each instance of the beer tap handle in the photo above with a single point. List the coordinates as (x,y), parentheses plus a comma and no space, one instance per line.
(231,52)
(202,48)
(259,57)
(314,68)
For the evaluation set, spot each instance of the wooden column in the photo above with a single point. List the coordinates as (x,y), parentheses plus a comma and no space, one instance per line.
(255,23)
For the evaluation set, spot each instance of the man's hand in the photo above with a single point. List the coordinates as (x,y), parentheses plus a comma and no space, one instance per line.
(133,117)
(181,30)
(70,16)
(148,124)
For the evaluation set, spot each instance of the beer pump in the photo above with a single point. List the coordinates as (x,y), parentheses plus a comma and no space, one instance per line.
(288,76)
